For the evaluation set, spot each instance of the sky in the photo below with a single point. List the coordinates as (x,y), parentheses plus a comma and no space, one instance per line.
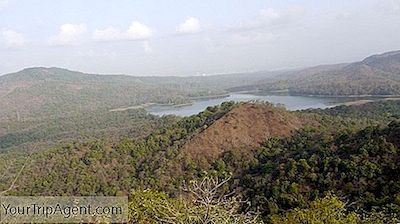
(193,37)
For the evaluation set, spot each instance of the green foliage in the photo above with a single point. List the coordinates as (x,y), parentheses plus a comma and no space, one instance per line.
(328,210)
(104,168)
(78,127)
(153,207)
(363,166)
(380,110)
(331,210)
(382,217)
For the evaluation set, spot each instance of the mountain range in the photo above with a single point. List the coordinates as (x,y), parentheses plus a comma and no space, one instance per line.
(375,75)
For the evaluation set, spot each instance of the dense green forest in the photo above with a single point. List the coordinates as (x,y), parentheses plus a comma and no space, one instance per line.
(348,164)
(362,166)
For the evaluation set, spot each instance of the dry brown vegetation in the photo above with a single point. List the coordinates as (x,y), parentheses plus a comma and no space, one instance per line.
(244,128)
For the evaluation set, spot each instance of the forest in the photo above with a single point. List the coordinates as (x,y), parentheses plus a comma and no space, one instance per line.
(347,164)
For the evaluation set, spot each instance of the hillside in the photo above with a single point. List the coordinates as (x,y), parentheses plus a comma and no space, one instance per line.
(40,107)
(206,136)
(178,150)
(361,166)
(43,92)
(244,127)
(375,75)
(279,160)
(134,162)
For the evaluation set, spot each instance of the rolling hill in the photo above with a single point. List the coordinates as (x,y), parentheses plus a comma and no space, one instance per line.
(375,75)
(43,92)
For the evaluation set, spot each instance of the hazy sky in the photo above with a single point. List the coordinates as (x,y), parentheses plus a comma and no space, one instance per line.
(187,37)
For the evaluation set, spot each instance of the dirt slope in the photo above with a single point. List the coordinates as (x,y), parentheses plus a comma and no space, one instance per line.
(245,127)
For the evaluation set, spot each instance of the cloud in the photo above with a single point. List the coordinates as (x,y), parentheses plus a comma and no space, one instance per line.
(69,34)
(136,31)
(190,26)
(11,39)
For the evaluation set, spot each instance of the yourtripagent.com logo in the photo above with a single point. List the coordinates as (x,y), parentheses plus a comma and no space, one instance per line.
(63,209)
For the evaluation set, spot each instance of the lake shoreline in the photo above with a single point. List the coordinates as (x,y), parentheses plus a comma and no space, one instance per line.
(361,102)
(193,99)
(286,93)
(352,100)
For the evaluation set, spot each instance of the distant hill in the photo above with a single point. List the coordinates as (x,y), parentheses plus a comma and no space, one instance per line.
(45,106)
(375,75)
(43,92)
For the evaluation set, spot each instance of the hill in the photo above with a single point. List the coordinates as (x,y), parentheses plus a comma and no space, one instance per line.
(375,75)
(178,150)
(43,106)
(151,160)
(43,92)
(279,160)
(244,127)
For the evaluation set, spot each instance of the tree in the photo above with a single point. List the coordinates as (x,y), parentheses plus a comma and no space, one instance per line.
(205,203)
(328,210)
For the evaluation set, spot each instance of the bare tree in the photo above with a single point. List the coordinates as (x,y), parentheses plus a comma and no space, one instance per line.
(213,204)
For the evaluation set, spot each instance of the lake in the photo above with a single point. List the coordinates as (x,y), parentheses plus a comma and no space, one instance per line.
(290,102)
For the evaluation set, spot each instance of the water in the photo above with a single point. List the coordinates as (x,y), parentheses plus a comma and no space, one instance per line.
(290,102)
